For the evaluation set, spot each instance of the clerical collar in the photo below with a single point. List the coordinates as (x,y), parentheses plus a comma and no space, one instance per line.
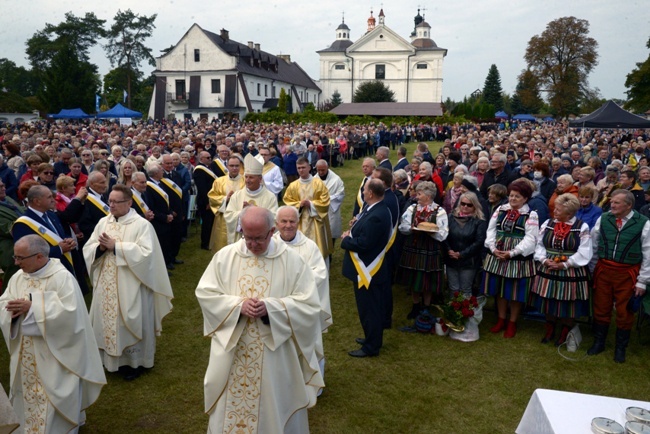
(39,273)
(255,191)
(295,239)
(323,178)
(308,180)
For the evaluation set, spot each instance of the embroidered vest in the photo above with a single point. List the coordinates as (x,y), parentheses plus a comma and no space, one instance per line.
(623,246)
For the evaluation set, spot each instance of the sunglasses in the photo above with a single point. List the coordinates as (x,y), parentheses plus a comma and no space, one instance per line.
(467,204)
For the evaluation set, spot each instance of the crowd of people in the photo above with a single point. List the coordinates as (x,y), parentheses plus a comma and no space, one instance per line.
(538,217)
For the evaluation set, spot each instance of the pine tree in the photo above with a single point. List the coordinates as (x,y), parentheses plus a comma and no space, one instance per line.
(283,101)
(526,98)
(336,99)
(492,92)
(374,91)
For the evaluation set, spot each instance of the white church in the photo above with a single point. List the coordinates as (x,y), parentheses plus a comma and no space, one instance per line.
(413,70)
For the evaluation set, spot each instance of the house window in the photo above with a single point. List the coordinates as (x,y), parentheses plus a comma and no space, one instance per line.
(180,89)
(197,55)
(266,90)
(421,66)
(216,86)
(301,95)
(259,89)
(272,91)
(339,66)
(380,72)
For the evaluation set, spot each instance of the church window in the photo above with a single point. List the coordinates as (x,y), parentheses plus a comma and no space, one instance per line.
(339,66)
(380,72)
(421,66)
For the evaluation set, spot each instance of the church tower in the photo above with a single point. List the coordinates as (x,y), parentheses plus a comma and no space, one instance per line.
(381,17)
(343,31)
(371,22)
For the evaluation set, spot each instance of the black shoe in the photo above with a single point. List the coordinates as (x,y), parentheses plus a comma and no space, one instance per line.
(178,262)
(205,248)
(170,266)
(360,353)
(600,336)
(622,339)
(415,311)
(130,373)
(360,341)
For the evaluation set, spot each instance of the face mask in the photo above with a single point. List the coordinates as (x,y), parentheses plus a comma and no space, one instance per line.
(538,175)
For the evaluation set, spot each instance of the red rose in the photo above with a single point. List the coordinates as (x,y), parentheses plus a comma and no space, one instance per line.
(465,312)
(471,313)
(456,305)
(465,303)
(456,294)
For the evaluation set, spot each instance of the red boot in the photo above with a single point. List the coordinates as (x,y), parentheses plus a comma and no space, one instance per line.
(500,325)
(563,335)
(511,330)
(550,332)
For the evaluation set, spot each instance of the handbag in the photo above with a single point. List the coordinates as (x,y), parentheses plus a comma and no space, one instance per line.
(573,339)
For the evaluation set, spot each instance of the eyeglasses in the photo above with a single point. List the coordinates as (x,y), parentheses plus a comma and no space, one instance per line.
(467,204)
(47,173)
(22,258)
(115,202)
(257,240)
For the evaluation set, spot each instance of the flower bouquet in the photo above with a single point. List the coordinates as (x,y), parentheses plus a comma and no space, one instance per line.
(461,315)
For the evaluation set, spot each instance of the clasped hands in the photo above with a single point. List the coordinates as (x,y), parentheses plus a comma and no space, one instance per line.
(106,242)
(253,308)
(502,254)
(18,307)
(67,244)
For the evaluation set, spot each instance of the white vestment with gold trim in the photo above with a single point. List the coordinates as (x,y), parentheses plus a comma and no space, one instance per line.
(131,291)
(261,378)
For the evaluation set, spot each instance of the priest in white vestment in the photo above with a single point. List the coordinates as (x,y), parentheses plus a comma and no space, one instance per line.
(55,369)
(271,172)
(131,289)
(255,193)
(336,189)
(261,311)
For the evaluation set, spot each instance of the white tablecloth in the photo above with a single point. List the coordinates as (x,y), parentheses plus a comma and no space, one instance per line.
(553,411)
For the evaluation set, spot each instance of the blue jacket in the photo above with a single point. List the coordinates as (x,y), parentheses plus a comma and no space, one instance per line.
(589,215)
(9,180)
(540,206)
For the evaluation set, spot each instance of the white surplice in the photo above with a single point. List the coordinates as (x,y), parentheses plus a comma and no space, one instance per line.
(262,197)
(131,291)
(336,188)
(260,377)
(56,371)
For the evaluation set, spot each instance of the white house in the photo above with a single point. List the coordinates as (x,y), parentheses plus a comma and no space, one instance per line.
(208,75)
(413,70)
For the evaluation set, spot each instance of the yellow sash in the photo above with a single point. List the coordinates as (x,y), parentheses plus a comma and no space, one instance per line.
(47,234)
(171,184)
(359,199)
(159,190)
(206,170)
(219,163)
(141,204)
(99,204)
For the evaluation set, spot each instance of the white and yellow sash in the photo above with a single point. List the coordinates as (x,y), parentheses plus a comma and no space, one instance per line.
(219,163)
(171,184)
(159,190)
(141,204)
(46,233)
(359,198)
(99,204)
(206,170)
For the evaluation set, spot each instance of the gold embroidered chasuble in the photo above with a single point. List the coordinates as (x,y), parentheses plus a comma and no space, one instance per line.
(260,377)
(55,368)
(217,197)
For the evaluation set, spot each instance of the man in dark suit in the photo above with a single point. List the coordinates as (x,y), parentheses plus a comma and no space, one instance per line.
(392,203)
(382,157)
(364,244)
(203,179)
(219,165)
(95,208)
(141,200)
(162,215)
(39,220)
(367,167)
(171,183)
(402,162)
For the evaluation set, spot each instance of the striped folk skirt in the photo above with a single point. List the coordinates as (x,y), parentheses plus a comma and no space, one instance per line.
(561,293)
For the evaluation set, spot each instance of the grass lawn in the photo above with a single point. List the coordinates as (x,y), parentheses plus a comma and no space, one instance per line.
(419,384)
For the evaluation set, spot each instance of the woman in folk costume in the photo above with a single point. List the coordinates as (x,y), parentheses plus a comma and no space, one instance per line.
(509,265)
(421,254)
(561,287)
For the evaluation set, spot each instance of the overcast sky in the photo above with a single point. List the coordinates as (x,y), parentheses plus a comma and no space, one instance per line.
(476,33)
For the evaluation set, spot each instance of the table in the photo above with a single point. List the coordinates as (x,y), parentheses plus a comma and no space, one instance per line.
(554,411)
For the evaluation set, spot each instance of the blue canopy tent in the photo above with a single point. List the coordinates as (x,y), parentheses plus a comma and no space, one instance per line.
(70,114)
(501,115)
(548,119)
(530,118)
(119,111)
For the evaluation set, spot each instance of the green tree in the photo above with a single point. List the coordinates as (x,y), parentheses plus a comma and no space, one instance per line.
(116,81)
(638,84)
(283,101)
(492,92)
(561,58)
(591,100)
(125,47)
(336,99)
(526,98)
(17,79)
(373,91)
(59,57)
